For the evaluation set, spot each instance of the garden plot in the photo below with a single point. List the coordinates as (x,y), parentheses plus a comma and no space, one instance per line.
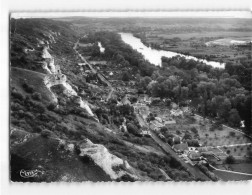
(237,150)
(217,152)
(219,137)
(222,137)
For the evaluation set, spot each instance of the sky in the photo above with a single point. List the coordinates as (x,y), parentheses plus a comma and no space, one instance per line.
(104,14)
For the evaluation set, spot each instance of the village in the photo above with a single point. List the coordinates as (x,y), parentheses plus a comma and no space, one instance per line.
(192,138)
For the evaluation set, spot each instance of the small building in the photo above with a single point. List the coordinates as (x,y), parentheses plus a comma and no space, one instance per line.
(156,124)
(194,155)
(169,122)
(125,101)
(145,133)
(159,119)
(174,105)
(177,112)
(180,148)
(98,62)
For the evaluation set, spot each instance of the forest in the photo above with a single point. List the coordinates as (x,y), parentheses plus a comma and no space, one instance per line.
(221,94)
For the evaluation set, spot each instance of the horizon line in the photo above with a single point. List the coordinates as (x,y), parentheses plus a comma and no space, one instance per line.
(132,14)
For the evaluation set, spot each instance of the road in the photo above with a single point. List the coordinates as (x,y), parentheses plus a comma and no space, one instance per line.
(167,148)
(102,78)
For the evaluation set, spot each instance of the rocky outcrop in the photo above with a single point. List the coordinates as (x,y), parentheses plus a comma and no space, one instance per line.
(45,67)
(115,167)
(45,53)
(55,77)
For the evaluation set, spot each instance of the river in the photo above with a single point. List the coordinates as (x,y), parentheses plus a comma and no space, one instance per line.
(154,56)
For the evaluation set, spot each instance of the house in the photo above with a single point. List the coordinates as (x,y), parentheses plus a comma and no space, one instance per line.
(186,109)
(125,101)
(194,155)
(159,119)
(169,121)
(98,62)
(180,148)
(174,105)
(145,133)
(82,64)
(154,127)
(85,44)
(176,113)
(156,124)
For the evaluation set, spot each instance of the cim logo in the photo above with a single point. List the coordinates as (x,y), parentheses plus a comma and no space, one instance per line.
(31,173)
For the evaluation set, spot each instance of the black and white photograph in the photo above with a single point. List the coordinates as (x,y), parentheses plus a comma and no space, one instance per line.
(110,97)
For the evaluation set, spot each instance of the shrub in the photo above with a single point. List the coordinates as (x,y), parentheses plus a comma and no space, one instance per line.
(163,129)
(194,130)
(45,133)
(29,115)
(16,106)
(232,134)
(230,159)
(132,129)
(187,135)
(211,175)
(17,95)
(36,96)
(51,106)
(39,107)
(249,153)
(174,163)
(170,141)
(193,143)
(27,88)
(38,129)
(176,140)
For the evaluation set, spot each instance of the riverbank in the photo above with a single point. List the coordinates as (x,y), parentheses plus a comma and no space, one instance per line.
(196,45)
(154,56)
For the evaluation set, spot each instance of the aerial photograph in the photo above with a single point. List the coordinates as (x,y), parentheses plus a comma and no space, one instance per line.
(129,98)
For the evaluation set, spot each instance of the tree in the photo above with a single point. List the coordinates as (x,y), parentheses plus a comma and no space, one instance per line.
(126,76)
(144,82)
(184,93)
(132,129)
(224,108)
(230,159)
(234,118)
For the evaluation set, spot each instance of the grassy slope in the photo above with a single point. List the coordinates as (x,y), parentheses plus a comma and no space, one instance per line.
(73,127)
(35,79)
(58,163)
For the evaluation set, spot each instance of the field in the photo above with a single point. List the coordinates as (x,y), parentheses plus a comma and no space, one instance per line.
(237,151)
(221,141)
(195,35)
(219,137)
(242,167)
(229,176)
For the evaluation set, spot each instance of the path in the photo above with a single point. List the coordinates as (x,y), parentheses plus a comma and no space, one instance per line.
(231,175)
(232,145)
(31,71)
